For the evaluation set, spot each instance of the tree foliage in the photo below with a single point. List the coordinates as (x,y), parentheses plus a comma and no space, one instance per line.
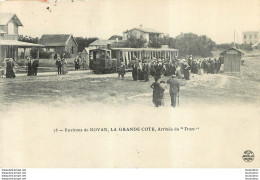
(247,47)
(224,46)
(135,42)
(42,54)
(28,39)
(192,44)
(84,42)
(158,42)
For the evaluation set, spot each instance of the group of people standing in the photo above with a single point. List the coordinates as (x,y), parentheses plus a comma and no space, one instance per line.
(62,66)
(8,68)
(159,88)
(80,63)
(176,69)
(206,65)
(141,70)
(32,67)
(61,63)
(200,66)
(77,64)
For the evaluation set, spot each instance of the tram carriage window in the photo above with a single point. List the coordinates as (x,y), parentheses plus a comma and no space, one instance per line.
(113,55)
(108,54)
(100,55)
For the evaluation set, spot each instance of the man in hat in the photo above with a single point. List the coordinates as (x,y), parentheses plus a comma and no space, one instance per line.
(174,89)
(135,71)
(121,70)
(58,64)
(29,67)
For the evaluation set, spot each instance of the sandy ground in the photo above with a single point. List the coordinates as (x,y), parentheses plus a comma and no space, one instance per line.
(220,110)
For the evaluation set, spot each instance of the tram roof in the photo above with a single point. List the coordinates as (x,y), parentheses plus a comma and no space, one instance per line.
(145,49)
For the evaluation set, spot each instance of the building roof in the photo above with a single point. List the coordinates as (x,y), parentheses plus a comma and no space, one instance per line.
(85,50)
(232,48)
(102,42)
(147,30)
(18,43)
(6,17)
(55,39)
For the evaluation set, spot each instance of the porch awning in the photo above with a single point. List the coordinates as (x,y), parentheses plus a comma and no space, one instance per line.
(146,49)
(18,43)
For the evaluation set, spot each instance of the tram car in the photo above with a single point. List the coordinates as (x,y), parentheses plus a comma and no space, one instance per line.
(108,60)
(100,61)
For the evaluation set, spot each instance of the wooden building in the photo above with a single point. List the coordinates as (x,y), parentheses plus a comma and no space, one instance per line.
(9,32)
(232,60)
(85,55)
(59,43)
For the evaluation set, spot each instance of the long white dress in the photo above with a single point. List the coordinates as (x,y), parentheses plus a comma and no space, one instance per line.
(64,67)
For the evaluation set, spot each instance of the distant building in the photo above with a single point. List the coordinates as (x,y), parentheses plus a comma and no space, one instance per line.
(101,44)
(107,44)
(59,43)
(251,37)
(116,41)
(141,32)
(9,32)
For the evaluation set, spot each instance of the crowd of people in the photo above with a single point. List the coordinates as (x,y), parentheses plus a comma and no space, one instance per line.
(32,67)
(182,68)
(176,69)
(140,70)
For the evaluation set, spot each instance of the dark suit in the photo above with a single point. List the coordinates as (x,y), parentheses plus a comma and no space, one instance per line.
(35,66)
(174,90)
(58,64)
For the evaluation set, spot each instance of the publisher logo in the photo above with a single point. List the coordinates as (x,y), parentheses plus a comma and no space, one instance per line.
(248,156)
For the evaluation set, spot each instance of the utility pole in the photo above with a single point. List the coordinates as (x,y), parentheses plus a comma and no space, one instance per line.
(237,41)
(234,44)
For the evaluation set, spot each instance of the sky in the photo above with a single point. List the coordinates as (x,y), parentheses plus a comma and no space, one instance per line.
(218,19)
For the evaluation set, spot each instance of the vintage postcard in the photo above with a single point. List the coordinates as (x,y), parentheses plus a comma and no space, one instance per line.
(130,84)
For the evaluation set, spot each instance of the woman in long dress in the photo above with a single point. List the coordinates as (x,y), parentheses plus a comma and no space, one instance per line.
(9,69)
(156,92)
(178,72)
(200,68)
(64,66)
(4,66)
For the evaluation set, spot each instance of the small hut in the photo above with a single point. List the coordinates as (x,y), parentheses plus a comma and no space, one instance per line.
(84,55)
(232,60)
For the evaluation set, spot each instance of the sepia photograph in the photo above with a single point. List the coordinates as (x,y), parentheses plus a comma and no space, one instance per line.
(130,84)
